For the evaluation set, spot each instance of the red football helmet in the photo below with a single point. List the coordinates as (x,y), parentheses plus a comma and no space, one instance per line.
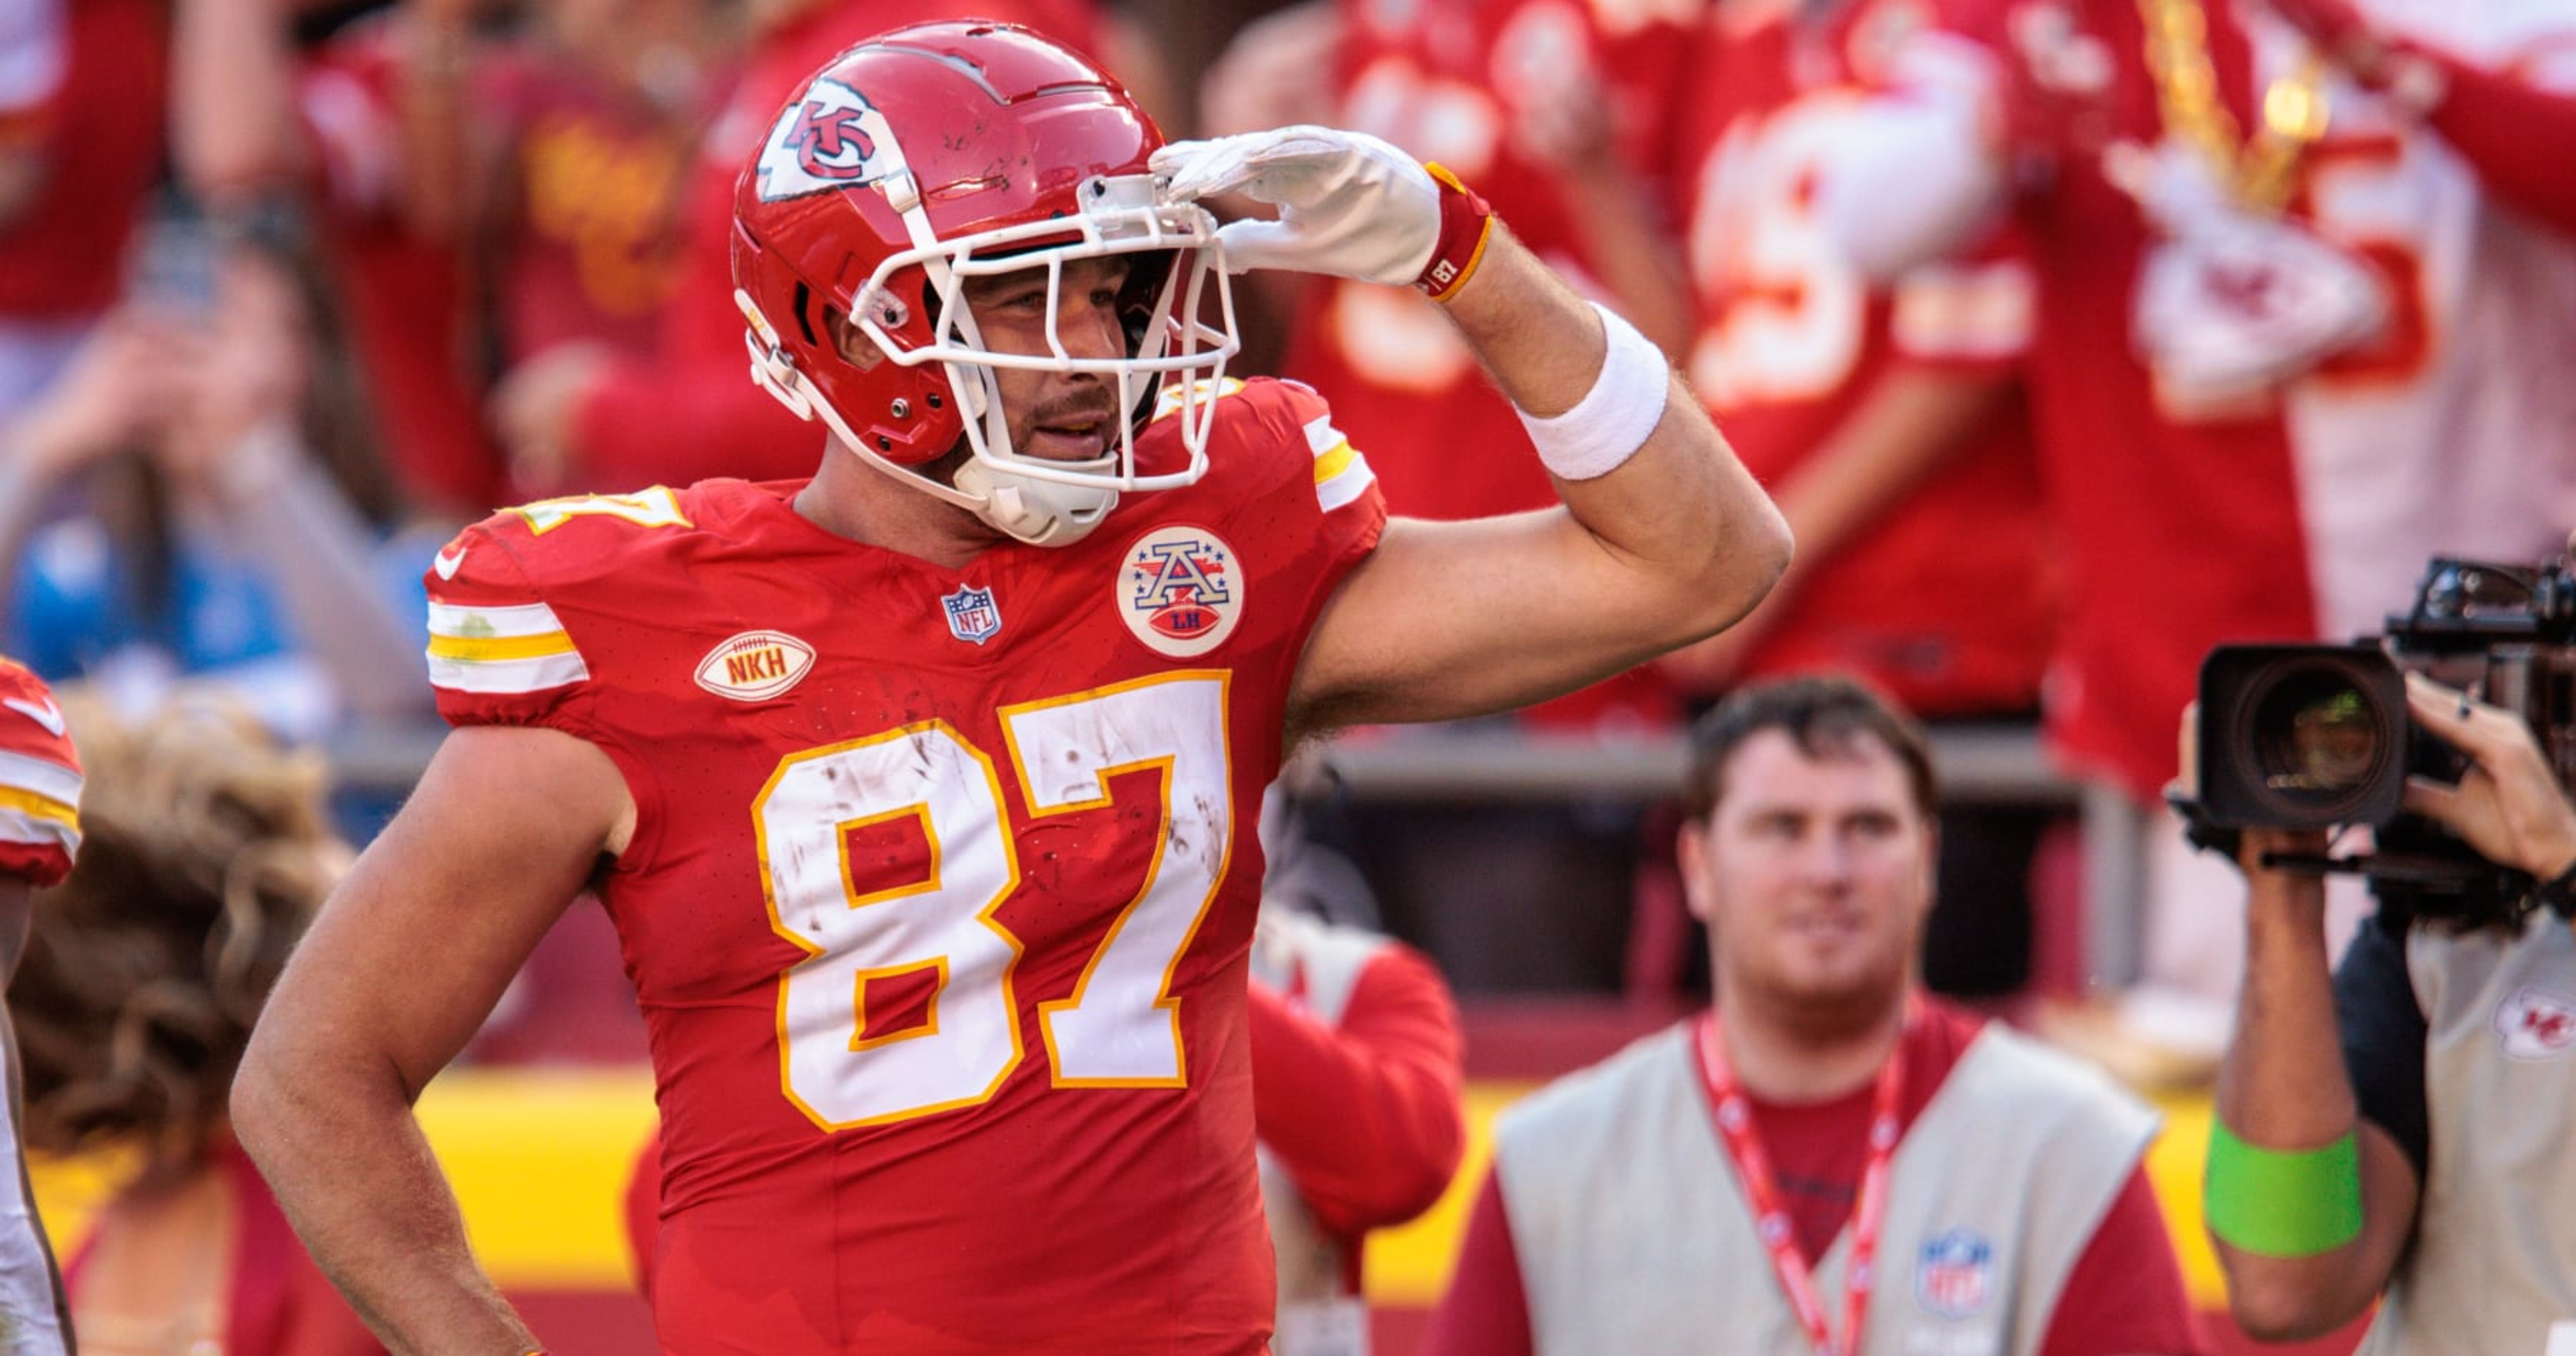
(939,152)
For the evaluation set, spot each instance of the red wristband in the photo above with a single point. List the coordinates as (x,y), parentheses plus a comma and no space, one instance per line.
(1466,222)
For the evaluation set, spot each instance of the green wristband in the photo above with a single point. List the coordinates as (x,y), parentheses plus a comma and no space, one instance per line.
(2282,1202)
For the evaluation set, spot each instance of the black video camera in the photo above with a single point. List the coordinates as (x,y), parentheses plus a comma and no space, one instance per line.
(2318,737)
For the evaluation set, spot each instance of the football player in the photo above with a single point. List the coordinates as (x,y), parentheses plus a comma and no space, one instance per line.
(40,791)
(924,793)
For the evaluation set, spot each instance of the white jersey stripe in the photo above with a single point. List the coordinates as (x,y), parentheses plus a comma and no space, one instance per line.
(18,826)
(1345,485)
(482,623)
(508,675)
(1322,437)
(52,781)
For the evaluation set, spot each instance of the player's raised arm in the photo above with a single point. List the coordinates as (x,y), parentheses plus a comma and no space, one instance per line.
(405,960)
(1663,538)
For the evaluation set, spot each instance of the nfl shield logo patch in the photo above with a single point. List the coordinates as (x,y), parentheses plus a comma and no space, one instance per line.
(1955,1276)
(972,616)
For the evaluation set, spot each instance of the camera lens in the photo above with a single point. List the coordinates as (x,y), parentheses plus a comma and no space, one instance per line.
(2316,733)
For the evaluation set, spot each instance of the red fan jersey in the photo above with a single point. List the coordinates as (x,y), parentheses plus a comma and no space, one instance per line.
(1443,79)
(40,782)
(941,886)
(1439,78)
(1943,599)
(82,108)
(2181,532)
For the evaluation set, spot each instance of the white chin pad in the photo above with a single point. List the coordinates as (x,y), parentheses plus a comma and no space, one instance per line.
(1039,512)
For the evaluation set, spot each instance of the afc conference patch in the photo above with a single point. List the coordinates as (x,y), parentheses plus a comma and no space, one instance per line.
(972,615)
(1955,1275)
(1179,591)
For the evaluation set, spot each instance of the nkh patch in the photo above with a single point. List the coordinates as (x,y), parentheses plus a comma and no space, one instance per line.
(1954,1276)
(831,138)
(2534,1024)
(755,666)
(972,614)
(1179,590)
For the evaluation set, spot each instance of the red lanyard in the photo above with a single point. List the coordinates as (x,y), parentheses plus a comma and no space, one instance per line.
(1734,1117)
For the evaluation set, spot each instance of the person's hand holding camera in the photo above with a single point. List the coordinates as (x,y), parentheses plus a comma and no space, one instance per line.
(2268,887)
(2507,805)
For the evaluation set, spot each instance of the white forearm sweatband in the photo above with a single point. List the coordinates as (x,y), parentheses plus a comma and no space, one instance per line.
(1615,417)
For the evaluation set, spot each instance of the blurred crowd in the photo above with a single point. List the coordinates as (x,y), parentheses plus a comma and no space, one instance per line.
(2072,337)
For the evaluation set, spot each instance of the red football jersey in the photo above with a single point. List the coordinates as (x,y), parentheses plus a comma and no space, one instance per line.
(2180,532)
(941,887)
(1944,599)
(40,782)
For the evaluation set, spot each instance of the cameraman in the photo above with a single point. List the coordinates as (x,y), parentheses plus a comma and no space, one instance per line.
(2433,1163)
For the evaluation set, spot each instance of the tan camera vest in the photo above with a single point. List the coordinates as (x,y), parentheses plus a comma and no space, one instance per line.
(2493,1264)
(1633,1236)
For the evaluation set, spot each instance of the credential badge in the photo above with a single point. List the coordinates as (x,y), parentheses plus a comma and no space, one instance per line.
(972,615)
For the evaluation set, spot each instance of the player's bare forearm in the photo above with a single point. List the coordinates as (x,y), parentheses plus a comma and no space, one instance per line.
(1447,620)
(336,1138)
(2283,1087)
(1689,523)
(400,968)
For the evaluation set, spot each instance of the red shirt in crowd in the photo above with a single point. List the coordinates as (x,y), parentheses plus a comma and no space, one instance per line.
(402,295)
(1439,78)
(95,144)
(2181,531)
(594,177)
(1944,599)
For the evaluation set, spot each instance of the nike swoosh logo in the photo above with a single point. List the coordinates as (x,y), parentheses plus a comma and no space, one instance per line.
(48,715)
(447,564)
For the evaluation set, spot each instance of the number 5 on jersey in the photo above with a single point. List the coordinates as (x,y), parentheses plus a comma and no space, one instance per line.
(1119,1028)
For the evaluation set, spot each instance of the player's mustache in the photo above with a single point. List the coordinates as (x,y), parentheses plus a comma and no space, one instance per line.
(1077,409)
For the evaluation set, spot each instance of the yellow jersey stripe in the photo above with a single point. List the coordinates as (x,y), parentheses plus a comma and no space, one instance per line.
(35,806)
(1333,463)
(50,780)
(496,648)
(1347,486)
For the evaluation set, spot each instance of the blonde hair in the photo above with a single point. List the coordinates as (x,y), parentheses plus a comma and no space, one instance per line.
(206,850)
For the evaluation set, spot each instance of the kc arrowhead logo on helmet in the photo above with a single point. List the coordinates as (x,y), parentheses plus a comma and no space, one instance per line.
(828,139)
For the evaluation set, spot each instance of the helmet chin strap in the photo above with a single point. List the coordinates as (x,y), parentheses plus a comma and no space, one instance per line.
(1039,512)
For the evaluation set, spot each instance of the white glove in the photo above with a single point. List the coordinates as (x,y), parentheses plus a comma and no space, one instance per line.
(1349,204)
